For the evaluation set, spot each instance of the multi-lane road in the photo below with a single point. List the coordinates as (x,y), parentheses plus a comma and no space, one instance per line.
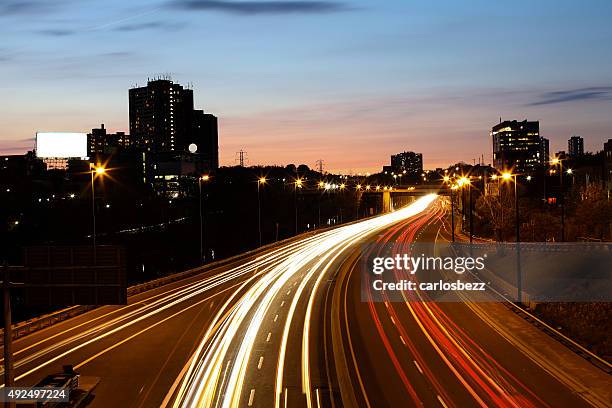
(288,327)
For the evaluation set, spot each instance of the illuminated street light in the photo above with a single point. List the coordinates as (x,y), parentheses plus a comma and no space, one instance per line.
(446,179)
(298,184)
(260,181)
(321,184)
(569,171)
(96,171)
(528,178)
(358,187)
(494,177)
(202,179)
(508,176)
(368,187)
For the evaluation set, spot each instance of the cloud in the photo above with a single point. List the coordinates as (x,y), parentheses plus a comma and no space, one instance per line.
(26,7)
(57,32)
(259,7)
(151,25)
(573,95)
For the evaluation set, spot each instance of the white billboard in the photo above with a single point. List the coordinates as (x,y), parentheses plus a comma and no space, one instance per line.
(61,144)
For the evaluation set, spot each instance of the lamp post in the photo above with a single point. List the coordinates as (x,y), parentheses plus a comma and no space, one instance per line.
(507,177)
(558,161)
(203,178)
(465,181)
(453,187)
(94,171)
(453,213)
(261,181)
(298,184)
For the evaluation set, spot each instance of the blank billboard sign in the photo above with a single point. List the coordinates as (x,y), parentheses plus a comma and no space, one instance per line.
(61,144)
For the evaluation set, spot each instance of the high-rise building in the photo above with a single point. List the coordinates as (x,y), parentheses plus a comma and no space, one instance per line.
(408,163)
(518,146)
(205,137)
(575,146)
(101,142)
(160,116)
(544,149)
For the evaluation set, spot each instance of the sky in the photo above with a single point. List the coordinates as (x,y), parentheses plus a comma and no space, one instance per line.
(348,82)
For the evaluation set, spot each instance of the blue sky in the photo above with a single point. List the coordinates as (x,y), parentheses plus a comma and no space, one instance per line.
(349,82)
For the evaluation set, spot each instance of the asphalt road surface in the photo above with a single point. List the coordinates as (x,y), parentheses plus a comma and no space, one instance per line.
(288,328)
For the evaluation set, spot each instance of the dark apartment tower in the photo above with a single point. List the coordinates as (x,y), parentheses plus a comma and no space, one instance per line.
(100,142)
(205,136)
(408,163)
(518,146)
(544,149)
(160,116)
(575,146)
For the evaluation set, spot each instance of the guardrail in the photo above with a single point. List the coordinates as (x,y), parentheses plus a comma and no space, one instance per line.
(38,323)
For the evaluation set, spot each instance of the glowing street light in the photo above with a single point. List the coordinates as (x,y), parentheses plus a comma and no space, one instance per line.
(261,181)
(507,177)
(298,184)
(202,179)
(95,171)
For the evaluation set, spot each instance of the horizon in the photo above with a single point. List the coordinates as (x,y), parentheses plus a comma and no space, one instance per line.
(295,82)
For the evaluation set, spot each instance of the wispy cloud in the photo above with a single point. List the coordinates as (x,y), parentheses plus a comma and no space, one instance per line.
(259,7)
(150,25)
(574,95)
(60,32)
(26,7)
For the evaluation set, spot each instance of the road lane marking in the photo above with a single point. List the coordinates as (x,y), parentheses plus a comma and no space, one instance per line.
(403,341)
(418,366)
(251,397)
(318,398)
(285,397)
(260,363)
(442,401)
(393,320)
(275,318)
(268,338)
(282,303)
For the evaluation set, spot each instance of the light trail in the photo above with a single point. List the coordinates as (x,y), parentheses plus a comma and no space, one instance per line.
(240,324)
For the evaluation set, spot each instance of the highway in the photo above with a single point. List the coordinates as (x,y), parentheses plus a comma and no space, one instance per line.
(288,328)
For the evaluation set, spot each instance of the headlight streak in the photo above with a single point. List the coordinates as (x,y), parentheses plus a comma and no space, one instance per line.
(239,328)
(163,302)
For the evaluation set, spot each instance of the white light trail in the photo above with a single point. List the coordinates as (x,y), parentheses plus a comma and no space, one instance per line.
(240,324)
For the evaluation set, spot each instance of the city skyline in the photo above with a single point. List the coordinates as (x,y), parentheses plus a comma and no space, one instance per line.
(407,76)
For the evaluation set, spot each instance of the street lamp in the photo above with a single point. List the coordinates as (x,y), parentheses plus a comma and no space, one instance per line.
(202,179)
(453,188)
(465,181)
(507,177)
(558,161)
(261,181)
(96,171)
(298,184)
